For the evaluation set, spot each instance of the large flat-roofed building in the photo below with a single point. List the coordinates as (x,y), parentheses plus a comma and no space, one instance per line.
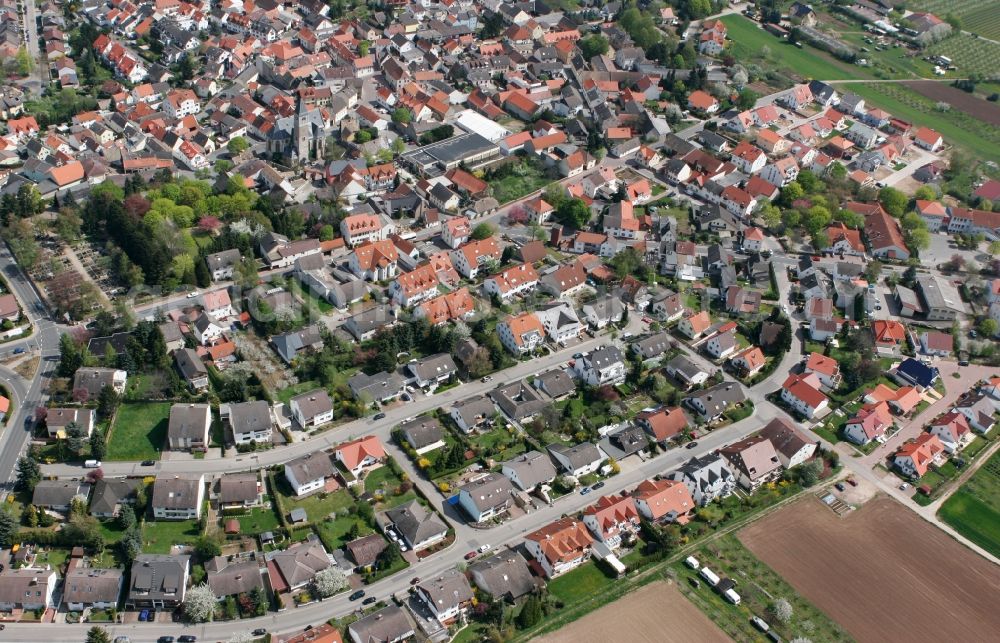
(474,122)
(437,158)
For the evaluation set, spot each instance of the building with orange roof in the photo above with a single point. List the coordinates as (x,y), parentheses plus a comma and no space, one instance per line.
(907,399)
(885,239)
(915,457)
(825,368)
(522,333)
(611,519)
(456,231)
(456,304)
(928,139)
(802,393)
(374,261)
(749,361)
(664,423)
(889,336)
(869,423)
(844,240)
(357,454)
(694,324)
(520,106)
(472,256)
(953,430)
(511,282)
(411,288)
(364,228)
(703,102)
(664,501)
(560,546)
(68,175)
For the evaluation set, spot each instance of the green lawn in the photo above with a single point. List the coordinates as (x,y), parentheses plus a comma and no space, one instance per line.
(974,509)
(381,478)
(111,531)
(317,505)
(160,535)
(333,533)
(139,431)
(749,39)
(586,580)
(285,395)
(259,520)
(525,179)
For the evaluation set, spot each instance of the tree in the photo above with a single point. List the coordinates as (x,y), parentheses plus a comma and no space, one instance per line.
(531,613)
(770,215)
(98,634)
(808,473)
(593,45)
(126,517)
(199,604)
(573,212)
(925,193)
(988,327)
(75,437)
(402,115)
(388,556)
(893,201)
(107,401)
(71,356)
(782,610)
(24,62)
(8,528)
(873,271)
(207,547)
(28,473)
(329,581)
(747,99)
(245,273)
(483,231)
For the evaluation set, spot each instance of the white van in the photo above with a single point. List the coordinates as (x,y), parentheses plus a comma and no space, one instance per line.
(92,464)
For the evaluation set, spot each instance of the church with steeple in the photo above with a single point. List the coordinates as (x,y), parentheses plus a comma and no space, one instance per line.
(301,136)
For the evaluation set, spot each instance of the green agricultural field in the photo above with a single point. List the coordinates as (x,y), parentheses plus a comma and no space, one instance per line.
(960,129)
(974,510)
(139,431)
(978,16)
(808,62)
(970,55)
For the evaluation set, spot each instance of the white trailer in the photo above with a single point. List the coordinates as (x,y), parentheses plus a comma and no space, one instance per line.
(709,576)
(692,562)
(732,596)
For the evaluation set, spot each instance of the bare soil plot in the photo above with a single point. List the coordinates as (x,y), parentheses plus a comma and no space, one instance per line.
(964,102)
(881,572)
(656,613)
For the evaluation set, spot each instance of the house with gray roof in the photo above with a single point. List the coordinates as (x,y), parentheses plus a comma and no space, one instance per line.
(518,401)
(231,576)
(297,565)
(178,498)
(624,442)
(389,624)
(290,345)
(248,421)
(447,596)
(419,526)
(712,402)
(603,311)
(653,348)
(578,460)
(431,371)
(504,575)
(309,472)
(92,379)
(312,409)
(221,264)
(423,433)
(707,478)
(556,384)
(110,494)
(29,588)
(473,413)
(529,470)
(191,368)
(86,587)
(486,497)
(58,495)
(189,426)
(364,551)
(240,490)
(158,581)
(602,366)
(380,387)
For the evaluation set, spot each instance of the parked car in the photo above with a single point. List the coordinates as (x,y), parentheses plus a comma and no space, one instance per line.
(840,486)
(379,416)
(356,595)
(19,350)
(584,491)
(904,486)
(692,444)
(577,355)
(260,631)
(147,463)
(414,580)
(486,379)
(369,600)
(144,615)
(598,485)
(484,548)
(165,639)
(851,481)
(187,638)
(471,555)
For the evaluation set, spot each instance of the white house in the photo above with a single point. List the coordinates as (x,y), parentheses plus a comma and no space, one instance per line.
(602,366)
(312,409)
(802,393)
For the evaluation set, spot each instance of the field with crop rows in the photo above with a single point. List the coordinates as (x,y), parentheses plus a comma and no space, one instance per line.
(958,128)
(978,16)
(970,54)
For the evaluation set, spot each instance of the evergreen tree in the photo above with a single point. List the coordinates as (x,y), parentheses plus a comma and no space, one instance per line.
(75,438)
(28,473)
(71,356)
(531,613)
(98,447)
(8,528)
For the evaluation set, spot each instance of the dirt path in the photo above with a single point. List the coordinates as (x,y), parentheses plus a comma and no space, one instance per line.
(656,613)
(74,260)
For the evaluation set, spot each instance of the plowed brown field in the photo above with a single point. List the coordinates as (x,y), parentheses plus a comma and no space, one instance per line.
(964,102)
(882,572)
